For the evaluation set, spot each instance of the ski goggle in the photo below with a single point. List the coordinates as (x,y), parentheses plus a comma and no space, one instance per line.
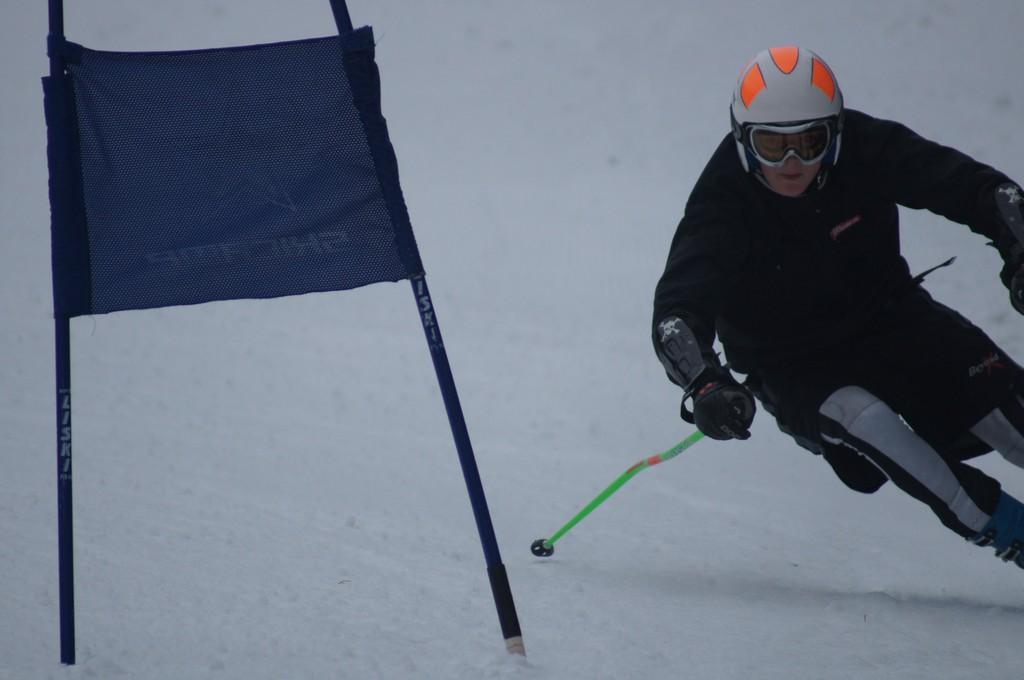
(773,144)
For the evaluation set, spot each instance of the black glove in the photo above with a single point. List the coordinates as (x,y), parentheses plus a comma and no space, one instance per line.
(1017,291)
(1012,276)
(1010,203)
(723,409)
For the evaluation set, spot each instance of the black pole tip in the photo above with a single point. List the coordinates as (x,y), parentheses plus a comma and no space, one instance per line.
(540,548)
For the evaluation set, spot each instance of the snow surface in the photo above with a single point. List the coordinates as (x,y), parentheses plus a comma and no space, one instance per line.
(269,489)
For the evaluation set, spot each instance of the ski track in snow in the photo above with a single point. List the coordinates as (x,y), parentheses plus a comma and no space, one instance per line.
(268,489)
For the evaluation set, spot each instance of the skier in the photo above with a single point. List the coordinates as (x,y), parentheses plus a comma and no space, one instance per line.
(789,251)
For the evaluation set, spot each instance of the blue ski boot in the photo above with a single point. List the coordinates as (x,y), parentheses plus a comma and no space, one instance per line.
(1005,530)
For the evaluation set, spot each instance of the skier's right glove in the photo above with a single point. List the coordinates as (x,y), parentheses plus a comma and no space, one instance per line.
(723,409)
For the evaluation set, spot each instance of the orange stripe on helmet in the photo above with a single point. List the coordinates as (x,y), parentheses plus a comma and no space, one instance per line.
(752,85)
(822,79)
(785,58)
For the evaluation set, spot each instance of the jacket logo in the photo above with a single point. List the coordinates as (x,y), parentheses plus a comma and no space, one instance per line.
(1012,194)
(843,226)
(670,327)
(987,365)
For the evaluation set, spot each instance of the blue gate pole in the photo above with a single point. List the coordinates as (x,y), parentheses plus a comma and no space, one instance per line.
(65,532)
(62,342)
(496,573)
(341,16)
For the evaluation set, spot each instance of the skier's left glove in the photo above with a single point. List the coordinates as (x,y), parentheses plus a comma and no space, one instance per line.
(1016,287)
(1012,275)
(1010,202)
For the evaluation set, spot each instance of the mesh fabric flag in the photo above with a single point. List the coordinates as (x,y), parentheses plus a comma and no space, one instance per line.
(250,172)
(222,174)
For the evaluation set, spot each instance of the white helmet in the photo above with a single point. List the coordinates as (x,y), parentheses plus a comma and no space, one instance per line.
(784,90)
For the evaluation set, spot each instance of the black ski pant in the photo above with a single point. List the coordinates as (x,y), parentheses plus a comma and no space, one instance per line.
(908,399)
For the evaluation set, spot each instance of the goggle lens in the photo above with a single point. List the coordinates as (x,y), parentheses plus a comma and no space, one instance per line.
(773,146)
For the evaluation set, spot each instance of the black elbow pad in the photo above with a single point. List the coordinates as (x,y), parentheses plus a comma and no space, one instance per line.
(681,352)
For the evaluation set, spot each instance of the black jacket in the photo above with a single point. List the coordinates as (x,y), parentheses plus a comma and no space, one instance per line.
(777,276)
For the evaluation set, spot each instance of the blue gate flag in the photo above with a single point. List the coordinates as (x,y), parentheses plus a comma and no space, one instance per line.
(244,172)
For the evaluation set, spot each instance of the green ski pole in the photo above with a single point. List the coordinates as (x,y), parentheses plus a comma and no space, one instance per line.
(545,547)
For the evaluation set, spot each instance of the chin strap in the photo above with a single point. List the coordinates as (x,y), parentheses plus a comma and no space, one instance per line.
(819,181)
